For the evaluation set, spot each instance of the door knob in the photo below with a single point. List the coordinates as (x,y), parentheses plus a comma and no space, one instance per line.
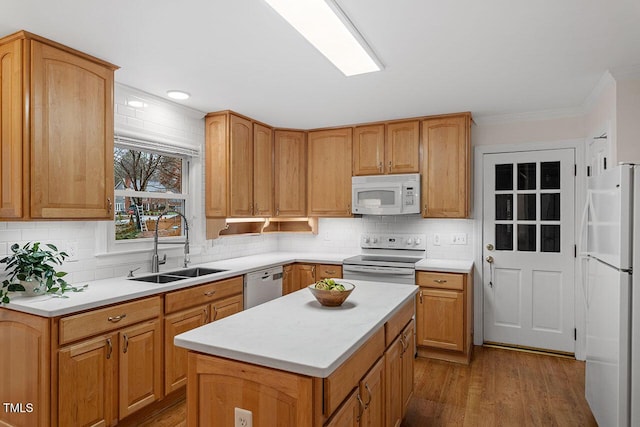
(489,259)
(490,247)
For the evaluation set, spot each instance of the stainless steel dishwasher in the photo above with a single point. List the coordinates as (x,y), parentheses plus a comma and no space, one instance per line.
(262,286)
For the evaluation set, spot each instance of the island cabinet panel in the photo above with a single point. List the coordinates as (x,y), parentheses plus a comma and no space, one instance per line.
(88,382)
(329,172)
(290,173)
(274,397)
(372,394)
(444,316)
(27,374)
(56,128)
(446,171)
(398,360)
(348,415)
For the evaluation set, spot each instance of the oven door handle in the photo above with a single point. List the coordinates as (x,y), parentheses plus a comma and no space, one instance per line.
(378,270)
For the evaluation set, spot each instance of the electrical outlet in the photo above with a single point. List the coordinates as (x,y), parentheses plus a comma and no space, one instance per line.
(72,251)
(436,239)
(459,239)
(243,418)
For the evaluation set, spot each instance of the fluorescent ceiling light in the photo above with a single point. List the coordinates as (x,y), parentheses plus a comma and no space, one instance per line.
(178,94)
(326,27)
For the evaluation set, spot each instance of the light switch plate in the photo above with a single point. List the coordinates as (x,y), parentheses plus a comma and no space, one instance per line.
(436,239)
(459,239)
(72,251)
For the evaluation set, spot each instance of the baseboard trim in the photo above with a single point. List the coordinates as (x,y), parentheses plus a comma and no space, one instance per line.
(525,349)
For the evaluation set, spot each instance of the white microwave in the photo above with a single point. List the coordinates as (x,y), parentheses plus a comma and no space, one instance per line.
(385,194)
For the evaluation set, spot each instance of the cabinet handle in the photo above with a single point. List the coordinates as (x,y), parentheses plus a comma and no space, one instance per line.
(420,295)
(389,165)
(380,166)
(109,348)
(116,319)
(348,208)
(109,205)
(366,386)
(402,344)
(425,209)
(215,314)
(329,272)
(405,343)
(362,407)
(277,211)
(313,270)
(440,280)
(251,210)
(206,315)
(126,343)
(209,293)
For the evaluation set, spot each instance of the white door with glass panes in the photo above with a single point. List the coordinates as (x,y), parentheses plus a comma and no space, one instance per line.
(528,249)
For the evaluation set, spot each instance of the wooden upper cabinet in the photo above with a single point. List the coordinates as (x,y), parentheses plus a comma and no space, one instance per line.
(329,172)
(446,177)
(403,147)
(290,165)
(386,149)
(216,166)
(241,167)
(368,150)
(262,170)
(67,129)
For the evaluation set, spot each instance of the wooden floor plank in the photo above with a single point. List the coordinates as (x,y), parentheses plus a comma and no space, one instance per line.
(499,388)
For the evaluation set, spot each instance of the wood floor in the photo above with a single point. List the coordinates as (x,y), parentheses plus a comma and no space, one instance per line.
(499,388)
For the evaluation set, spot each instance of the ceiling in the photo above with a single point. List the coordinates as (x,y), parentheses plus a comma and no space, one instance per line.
(491,57)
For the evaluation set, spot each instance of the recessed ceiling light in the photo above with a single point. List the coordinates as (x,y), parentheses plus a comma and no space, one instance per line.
(178,94)
(326,27)
(136,103)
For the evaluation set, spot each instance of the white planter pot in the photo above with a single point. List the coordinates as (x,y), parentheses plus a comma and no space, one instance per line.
(33,288)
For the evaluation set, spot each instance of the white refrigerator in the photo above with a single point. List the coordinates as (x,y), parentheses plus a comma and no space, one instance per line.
(610,247)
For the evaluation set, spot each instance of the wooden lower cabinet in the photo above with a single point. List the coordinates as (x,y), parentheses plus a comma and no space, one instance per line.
(348,415)
(301,275)
(399,359)
(175,365)
(372,392)
(444,316)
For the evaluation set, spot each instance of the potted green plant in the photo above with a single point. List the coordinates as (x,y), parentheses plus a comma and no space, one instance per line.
(31,269)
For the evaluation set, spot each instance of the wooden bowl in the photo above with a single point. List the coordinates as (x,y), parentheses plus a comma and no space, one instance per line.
(332,298)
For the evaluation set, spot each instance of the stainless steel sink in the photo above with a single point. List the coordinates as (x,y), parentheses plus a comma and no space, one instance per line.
(158,278)
(195,272)
(173,276)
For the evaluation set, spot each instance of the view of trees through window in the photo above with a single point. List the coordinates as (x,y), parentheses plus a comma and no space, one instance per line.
(147,184)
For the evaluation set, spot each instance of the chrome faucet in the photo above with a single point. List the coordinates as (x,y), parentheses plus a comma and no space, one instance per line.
(155,260)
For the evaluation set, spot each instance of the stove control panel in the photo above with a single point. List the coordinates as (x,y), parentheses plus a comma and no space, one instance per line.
(393,241)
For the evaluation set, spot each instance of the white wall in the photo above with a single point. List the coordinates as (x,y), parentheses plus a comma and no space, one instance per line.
(526,129)
(628,118)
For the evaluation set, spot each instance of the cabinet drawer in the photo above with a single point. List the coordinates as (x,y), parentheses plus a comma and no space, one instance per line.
(202,294)
(95,322)
(344,379)
(441,280)
(326,271)
(394,326)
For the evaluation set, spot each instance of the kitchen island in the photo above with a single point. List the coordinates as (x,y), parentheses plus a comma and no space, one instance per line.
(293,362)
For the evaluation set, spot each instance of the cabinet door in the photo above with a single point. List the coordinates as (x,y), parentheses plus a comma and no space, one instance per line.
(372,393)
(329,169)
(348,415)
(87,382)
(262,171)
(71,136)
(440,318)
(175,358)
(11,136)
(241,167)
(305,275)
(288,279)
(216,167)
(393,385)
(226,307)
(140,369)
(290,159)
(447,167)
(368,150)
(327,271)
(403,147)
(408,356)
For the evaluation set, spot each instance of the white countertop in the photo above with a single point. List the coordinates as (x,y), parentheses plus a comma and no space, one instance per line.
(119,289)
(296,334)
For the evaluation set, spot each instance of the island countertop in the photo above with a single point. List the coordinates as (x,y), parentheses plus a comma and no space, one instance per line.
(296,334)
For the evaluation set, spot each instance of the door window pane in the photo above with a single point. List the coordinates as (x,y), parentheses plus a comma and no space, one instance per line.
(504,207)
(550,175)
(504,177)
(550,206)
(527,207)
(526,176)
(526,237)
(504,237)
(550,238)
